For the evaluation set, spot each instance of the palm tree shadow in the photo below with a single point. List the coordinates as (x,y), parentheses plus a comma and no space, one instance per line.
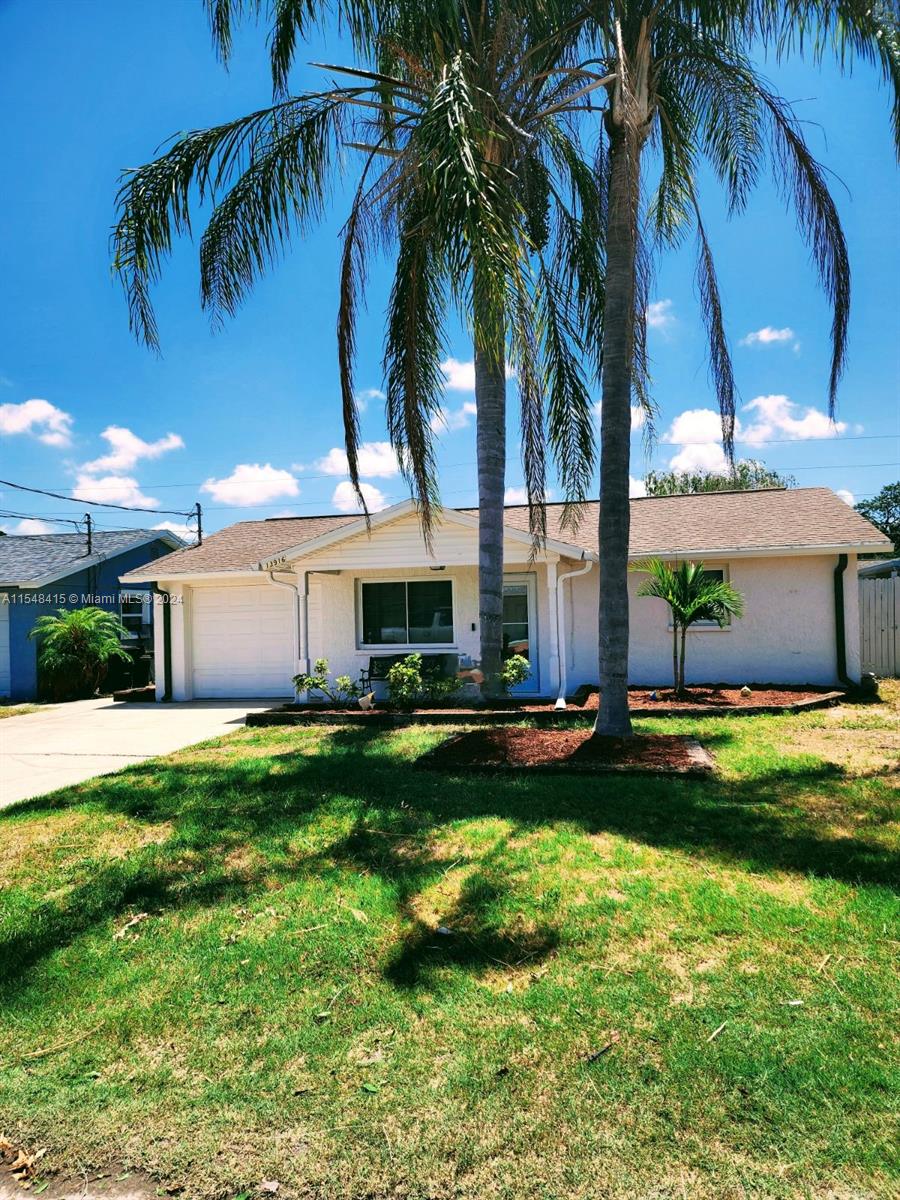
(218,805)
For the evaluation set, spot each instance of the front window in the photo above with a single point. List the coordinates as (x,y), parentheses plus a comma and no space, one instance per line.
(418,613)
(717,576)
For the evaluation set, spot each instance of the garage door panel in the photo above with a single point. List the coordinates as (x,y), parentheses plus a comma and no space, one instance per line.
(242,642)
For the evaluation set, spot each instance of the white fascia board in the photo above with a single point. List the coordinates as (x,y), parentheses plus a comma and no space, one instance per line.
(190,577)
(759,551)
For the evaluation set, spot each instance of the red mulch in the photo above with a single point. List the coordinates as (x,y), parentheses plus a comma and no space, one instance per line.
(512,747)
(714,697)
(666,700)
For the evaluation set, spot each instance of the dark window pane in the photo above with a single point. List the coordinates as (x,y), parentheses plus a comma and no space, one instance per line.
(430,612)
(515,620)
(384,613)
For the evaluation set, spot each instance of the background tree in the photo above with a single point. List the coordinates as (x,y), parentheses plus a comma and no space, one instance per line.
(680,78)
(747,475)
(692,595)
(75,647)
(883,511)
(467,167)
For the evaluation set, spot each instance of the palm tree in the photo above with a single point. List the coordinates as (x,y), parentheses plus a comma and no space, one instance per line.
(693,595)
(469,166)
(75,648)
(680,79)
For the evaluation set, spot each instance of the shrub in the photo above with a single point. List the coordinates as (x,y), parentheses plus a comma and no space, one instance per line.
(411,687)
(515,670)
(76,646)
(342,692)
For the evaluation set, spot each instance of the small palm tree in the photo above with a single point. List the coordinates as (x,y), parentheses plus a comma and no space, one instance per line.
(75,648)
(692,595)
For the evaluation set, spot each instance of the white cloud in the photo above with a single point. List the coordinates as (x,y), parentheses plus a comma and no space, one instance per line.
(188,532)
(460,376)
(767,336)
(777,417)
(660,315)
(847,497)
(112,489)
(636,487)
(377,460)
(39,418)
(345,499)
(365,395)
(452,420)
(708,456)
(126,449)
(519,495)
(251,483)
(28,525)
(638,415)
(699,433)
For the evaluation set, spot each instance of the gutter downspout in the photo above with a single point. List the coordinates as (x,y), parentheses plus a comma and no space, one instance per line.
(301,615)
(561,628)
(167,640)
(840,631)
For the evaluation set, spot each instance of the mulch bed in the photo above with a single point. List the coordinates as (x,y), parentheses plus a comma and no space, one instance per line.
(715,696)
(704,701)
(570,750)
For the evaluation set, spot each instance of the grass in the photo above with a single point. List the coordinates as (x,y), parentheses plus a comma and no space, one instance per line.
(225,967)
(17,710)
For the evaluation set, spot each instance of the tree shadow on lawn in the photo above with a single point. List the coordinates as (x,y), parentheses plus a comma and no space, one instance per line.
(218,805)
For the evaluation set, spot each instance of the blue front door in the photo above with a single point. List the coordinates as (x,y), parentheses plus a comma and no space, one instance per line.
(519,627)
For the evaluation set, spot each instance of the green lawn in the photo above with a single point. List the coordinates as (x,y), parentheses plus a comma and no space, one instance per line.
(651,987)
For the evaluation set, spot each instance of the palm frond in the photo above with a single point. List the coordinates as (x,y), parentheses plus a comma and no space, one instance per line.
(720,367)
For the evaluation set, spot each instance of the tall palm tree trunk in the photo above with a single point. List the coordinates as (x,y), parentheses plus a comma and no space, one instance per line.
(490,400)
(613,718)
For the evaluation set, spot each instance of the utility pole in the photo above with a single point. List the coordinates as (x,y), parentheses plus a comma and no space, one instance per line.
(89,523)
(198,513)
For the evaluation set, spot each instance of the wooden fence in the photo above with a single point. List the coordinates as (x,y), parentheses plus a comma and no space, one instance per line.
(879,625)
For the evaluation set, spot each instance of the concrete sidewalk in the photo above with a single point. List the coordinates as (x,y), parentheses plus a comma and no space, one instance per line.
(68,743)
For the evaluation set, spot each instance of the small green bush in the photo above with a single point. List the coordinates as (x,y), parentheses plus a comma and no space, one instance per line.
(410,688)
(514,671)
(342,692)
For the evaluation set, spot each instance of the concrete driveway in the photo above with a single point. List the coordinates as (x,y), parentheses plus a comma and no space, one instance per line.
(68,743)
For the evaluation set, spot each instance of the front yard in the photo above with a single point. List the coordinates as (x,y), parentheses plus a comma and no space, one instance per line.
(289,956)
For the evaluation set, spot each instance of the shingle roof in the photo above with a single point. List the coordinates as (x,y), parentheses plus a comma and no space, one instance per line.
(240,547)
(801,518)
(708,522)
(25,558)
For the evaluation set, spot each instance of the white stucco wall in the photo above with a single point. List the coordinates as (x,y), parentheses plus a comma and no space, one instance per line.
(333,615)
(785,636)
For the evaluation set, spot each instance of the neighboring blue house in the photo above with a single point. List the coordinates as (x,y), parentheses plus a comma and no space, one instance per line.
(44,572)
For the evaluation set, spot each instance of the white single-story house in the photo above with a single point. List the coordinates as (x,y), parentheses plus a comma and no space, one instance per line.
(261,600)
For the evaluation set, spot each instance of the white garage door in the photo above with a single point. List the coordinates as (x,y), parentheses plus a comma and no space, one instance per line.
(242,641)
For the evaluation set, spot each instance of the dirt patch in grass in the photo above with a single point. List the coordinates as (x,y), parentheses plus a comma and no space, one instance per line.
(566,749)
(28,847)
(855,751)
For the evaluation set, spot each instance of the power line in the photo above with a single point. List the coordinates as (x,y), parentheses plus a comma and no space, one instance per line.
(96,503)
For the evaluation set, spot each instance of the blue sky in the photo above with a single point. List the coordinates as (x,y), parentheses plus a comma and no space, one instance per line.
(247,420)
